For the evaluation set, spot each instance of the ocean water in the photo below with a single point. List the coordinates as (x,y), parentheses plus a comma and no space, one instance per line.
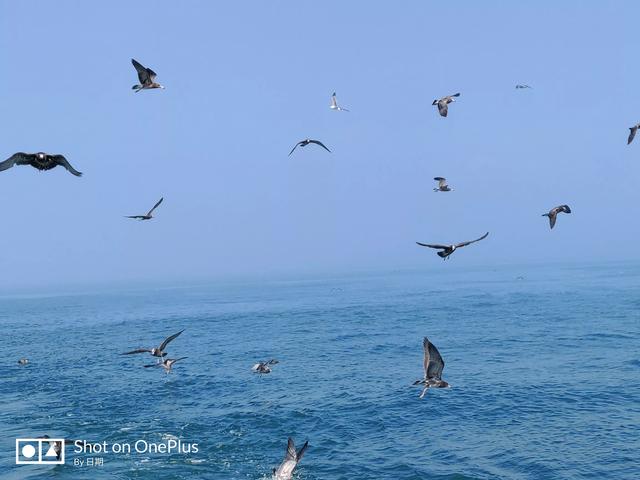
(545,375)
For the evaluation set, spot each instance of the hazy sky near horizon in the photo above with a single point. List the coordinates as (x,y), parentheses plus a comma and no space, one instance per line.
(246,80)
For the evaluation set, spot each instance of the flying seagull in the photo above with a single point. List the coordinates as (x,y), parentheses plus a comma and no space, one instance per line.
(149,215)
(444,102)
(146,76)
(522,86)
(449,249)
(264,367)
(157,351)
(442,185)
(23,361)
(433,365)
(334,104)
(40,160)
(307,141)
(291,460)
(632,133)
(167,364)
(553,213)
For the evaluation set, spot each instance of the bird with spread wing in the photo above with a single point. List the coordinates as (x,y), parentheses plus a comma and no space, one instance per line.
(146,76)
(443,103)
(447,250)
(433,365)
(149,214)
(442,185)
(156,351)
(553,214)
(307,141)
(40,160)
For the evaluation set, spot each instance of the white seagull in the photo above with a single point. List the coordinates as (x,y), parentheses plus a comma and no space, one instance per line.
(334,104)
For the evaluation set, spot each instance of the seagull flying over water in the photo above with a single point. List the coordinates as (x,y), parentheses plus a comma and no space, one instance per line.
(23,361)
(553,213)
(632,133)
(442,185)
(307,141)
(291,460)
(157,351)
(40,160)
(167,364)
(264,367)
(146,76)
(149,214)
(449,249)
(443,103)
(334,104)
(433,365)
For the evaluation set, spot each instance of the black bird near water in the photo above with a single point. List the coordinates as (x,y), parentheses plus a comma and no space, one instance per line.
(40,160)
(149,214)
(442,185)
(449,249)
(264,367)
(157,351)
(290,462)
(307,141)
(433,365)
(519,86)
(443,104)
(146,76)
(553,213)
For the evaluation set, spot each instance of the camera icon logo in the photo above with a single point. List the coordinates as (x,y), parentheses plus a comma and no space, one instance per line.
(39,451)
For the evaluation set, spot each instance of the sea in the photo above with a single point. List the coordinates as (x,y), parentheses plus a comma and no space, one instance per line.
(543,362)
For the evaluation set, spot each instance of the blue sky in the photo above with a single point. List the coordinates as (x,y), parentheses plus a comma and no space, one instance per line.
(247,80)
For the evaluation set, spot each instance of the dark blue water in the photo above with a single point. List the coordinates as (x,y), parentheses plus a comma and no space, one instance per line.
(545,375)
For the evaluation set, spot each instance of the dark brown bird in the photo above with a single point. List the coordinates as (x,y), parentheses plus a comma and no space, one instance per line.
(307,141)
(157,351)
(146,76)
(264,367)
(449,249)
(553,213)
(149,214)
(632,133)
(443,103)
(433,365)
(40,160)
